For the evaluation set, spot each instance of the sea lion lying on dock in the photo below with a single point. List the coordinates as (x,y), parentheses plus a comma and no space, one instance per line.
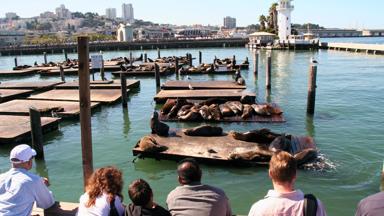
(168,106)
(204,130)
(149,144)
(157,126)
(262,136)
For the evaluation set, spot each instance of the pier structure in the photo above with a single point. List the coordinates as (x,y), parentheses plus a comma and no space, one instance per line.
(355,47)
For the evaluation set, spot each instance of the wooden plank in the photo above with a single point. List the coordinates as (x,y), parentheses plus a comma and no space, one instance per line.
(29,85)
(232,94)
(9,94)
(111,84)
(58,209)
(20,107)
(178,84)
(142,73)
(214,149)
(56,72)
(27,71)
(16,129)
(97,95)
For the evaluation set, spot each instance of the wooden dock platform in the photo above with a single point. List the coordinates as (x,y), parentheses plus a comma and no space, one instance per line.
(97,95)
(177,85)
(27,71)
(56,72)
(110,84)
(10,94)
(58,209)
(142,73)
(65,109)
(355,47)
(45,85)
(229,94)
(17,129)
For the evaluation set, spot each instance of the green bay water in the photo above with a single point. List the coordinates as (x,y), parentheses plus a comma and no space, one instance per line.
(347,127)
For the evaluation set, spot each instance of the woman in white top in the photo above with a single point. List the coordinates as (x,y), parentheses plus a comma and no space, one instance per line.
(103,194)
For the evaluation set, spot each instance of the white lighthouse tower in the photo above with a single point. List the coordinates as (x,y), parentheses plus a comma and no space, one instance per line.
(284,18)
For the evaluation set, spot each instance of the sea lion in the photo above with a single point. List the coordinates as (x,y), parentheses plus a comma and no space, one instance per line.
(262,136)
(257,153)
(247,111)
(225,110)
(157,126)
(184,110)
(240,81)
(232,107)
(215,112)
(179,103)
(247,99)
(273,110)
(211,101)
(281,143)
(204,111)
(261,109)
(168,106)
(305,156)
(239,106)
(204,130)
(149,144)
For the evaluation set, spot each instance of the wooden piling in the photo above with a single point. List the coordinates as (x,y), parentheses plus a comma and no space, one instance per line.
(36,132)
(102,75)
(65,55)
(177,67)
(62,74)
(158,53)
(268,73)
(200,57)
(124,97)
(256,63)
(15,61)
(45,58)
(190,59)
(130,59)
(311,90)
(157,75)
(145,57)
(85,108)
(233,61)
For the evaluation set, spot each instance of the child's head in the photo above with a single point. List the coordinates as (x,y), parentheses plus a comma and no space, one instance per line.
(140,192)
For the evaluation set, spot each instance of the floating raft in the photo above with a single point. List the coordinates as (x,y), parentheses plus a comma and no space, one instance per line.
(97,95)
(164,95)
(110,84)
(23,72)
(56,71)
(254,118)
(10,94)
(142,73)
(66,109)
(17,129)
(46,85)
(176,85)
(215,149)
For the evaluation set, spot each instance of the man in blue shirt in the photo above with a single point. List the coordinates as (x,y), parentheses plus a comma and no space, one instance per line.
(19,188)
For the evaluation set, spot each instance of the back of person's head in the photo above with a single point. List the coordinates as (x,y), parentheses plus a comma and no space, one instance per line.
(189,171)
(21,156)
(140,192)
(107,180)
(282,167)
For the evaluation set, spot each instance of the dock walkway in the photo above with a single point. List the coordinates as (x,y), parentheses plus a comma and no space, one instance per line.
(10,94)
(111,84)
(178,85)
(355,47)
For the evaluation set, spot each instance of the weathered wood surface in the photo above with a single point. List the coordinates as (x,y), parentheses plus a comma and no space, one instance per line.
(232,94)
(97,95)
(175,85)
(111,84)
(9,94)
(59,209)
(61,108)
(27,71)
(16,129)
(214,149)
(56,72)
(29,85)
(142,73)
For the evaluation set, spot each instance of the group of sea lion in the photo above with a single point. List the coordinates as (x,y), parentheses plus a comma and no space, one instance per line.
(202,68)
(215,109)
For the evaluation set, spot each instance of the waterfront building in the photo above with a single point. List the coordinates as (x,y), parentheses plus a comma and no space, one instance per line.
(11,15)
(150,33)
(229,22)
(11,38)
(258,39)
(110,13)
(63,13)
(127,13)
(125,33)
(284,10)
(373,32)
(48,14)
(332,32)
(193,33)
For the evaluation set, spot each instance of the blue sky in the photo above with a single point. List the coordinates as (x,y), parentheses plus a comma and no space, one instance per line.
(328,13)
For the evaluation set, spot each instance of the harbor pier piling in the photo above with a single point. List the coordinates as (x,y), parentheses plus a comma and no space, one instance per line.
(36,132)
(200,57)
(158,53)
(157,76)
(145,58)
(15,61)
(62,73)
(256,63)
(311,90)
(124,97)
(45,58)
(268,72)
(177,67)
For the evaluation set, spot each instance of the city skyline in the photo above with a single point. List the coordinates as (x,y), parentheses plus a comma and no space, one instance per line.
(327,13)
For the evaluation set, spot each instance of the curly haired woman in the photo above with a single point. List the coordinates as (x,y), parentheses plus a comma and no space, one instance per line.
(103,193)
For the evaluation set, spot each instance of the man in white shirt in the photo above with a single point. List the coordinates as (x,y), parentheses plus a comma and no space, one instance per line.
(19,188)
(284,199)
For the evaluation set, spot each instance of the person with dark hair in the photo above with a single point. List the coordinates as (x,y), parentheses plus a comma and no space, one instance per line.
(194,198)
(103,193)
(19,188)
(284,199)
(142,201)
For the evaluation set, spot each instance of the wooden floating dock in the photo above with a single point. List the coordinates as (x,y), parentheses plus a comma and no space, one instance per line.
(111,84)
(97,95)
(142,73)
(65,109)
(229,94)
(58,209)
(177,85)
(56,72)
(45,85)
(23,72)
(10,94)
(17,129)
(355,47)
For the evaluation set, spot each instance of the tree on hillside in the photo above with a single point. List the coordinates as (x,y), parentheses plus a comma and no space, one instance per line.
(272,19)
(78,15)
(262,20)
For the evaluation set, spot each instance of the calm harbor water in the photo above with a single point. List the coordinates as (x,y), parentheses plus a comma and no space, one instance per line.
(347,127)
